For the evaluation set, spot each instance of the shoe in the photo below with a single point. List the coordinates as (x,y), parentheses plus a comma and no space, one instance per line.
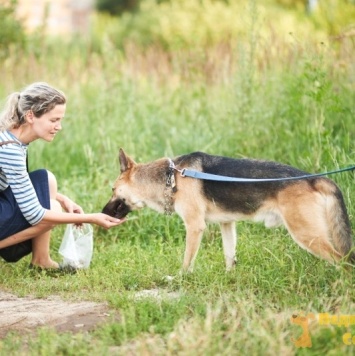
(60,270)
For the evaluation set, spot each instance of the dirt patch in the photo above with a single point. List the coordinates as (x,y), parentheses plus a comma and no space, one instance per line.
(25,315)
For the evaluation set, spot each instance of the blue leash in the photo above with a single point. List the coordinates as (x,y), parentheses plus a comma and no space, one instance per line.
(208,176)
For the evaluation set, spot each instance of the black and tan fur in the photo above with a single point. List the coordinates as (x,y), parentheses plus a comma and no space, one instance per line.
(312,210)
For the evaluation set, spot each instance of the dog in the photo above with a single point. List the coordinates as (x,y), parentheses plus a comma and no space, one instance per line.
(312,210)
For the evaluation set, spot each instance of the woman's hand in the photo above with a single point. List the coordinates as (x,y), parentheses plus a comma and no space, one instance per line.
(105,221)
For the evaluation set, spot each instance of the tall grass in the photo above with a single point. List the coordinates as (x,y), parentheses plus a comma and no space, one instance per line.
(264,97)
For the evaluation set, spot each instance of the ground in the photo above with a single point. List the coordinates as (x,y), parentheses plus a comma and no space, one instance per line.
(27,314)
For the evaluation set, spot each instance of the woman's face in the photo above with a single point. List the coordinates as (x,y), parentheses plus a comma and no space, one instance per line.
(48,125)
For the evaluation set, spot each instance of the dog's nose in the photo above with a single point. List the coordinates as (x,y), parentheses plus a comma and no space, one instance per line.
(116,208)
(109,209)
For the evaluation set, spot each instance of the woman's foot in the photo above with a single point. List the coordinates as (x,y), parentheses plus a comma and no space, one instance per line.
(44,264)
(53,270)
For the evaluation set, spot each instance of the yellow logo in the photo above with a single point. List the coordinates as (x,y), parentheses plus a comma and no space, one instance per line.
(303,321)
(323,319)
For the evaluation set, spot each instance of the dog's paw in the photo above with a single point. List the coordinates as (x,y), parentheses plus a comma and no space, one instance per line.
(231,263)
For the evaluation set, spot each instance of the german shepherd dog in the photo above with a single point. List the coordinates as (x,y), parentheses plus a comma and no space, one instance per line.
(312,209)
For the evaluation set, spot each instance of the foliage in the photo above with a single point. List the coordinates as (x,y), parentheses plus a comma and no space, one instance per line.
(11,31)
(173,25)
(182,24)
(115,7)
(336,16)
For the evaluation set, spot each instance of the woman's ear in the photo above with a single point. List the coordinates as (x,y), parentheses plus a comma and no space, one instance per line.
(29,116)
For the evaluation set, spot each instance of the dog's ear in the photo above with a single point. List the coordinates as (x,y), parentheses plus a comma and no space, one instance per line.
(125,161)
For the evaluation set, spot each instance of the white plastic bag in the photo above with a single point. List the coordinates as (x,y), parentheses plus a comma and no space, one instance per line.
(77,246)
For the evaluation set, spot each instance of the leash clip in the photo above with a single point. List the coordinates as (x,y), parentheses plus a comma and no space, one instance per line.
(172,166)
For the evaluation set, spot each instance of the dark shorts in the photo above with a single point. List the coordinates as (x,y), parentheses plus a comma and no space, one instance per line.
(12,220)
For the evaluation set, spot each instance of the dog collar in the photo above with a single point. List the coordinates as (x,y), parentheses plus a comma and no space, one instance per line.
(170,188)
(170,180)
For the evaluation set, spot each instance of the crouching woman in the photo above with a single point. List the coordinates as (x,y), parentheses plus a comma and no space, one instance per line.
(30,204)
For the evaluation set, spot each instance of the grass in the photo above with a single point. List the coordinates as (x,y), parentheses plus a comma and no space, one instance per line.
(298,110)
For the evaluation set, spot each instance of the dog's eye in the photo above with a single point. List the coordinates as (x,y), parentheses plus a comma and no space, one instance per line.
(113,190)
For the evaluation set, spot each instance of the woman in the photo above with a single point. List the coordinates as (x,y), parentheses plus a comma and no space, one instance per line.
(30,204)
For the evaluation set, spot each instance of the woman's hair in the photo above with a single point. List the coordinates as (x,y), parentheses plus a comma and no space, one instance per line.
(37,97)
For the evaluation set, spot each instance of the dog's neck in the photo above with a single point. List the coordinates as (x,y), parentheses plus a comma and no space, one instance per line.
(161,176)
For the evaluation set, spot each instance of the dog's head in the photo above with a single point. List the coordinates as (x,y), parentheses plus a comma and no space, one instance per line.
(125,194)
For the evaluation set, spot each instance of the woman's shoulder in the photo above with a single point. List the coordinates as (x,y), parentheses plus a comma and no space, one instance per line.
(6,136)
(10,149)
(6,139)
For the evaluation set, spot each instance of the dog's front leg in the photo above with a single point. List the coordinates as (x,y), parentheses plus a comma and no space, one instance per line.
(229,239)
(194,232)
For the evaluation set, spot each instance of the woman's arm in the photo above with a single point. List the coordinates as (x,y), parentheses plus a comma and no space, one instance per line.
(103,220)
(76,215)
(52,218)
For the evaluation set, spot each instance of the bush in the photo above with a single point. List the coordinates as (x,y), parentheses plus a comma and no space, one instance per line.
(117,7)
(336,17)
(181,24)
(11,31)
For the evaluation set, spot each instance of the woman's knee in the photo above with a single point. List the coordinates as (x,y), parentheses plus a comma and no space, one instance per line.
(52,183)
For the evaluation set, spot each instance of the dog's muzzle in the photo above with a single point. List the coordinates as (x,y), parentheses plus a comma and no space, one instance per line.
(117,208)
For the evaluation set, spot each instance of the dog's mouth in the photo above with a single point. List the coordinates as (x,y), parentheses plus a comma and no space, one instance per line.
(117,208)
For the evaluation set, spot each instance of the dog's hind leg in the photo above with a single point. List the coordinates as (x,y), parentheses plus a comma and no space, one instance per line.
(229,239)
(306,219)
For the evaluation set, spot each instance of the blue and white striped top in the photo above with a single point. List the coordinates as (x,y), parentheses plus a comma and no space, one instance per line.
(13,173)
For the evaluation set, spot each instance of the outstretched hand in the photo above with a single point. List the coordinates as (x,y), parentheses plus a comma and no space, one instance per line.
(106,221)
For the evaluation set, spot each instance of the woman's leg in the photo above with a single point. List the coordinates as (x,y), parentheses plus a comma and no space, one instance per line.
(41,243)
(24,235)
(40,233)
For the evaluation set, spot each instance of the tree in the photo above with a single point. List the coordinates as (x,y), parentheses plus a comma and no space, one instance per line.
(117,7)
(11,30)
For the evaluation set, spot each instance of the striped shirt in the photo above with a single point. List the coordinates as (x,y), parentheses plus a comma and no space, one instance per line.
(13,174)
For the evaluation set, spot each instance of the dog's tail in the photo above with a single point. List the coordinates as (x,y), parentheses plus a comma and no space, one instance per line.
(338,219)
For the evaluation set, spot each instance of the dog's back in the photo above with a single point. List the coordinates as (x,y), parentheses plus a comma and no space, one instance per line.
(246,197)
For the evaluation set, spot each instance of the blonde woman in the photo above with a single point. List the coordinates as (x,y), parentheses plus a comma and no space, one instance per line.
(30,204)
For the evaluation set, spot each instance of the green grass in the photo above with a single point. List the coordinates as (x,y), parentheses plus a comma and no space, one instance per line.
(298,110)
